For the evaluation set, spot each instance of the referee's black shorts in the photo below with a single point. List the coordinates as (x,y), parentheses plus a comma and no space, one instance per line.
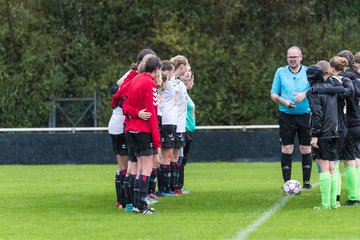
(290,125)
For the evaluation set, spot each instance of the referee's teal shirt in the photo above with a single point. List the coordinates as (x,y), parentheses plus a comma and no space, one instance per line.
(286,83)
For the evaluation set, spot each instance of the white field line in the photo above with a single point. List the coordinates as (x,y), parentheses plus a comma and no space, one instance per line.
(271,211)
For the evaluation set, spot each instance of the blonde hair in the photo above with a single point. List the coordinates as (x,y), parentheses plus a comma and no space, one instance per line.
(178,60)
(325,66)
(339,63)
(295,47)
(357,57)
(348,55)
(141,65)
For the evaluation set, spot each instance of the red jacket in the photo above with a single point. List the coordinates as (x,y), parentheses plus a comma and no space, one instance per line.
(123,90)
(143,95)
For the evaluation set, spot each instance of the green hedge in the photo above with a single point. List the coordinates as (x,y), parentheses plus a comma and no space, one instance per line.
(69,48)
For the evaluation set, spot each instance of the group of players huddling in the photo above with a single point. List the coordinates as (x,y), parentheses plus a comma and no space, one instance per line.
(151,129)
(335,125)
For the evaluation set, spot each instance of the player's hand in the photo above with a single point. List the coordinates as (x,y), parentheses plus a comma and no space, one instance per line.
(289,104)
(314,141)
(144,115)
(299,96)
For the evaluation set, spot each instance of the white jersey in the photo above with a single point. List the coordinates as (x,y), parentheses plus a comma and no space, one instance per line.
(171,102)
(116,123)
(160,99)
(182,107)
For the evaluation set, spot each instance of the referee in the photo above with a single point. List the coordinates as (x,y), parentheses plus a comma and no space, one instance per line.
(289,89)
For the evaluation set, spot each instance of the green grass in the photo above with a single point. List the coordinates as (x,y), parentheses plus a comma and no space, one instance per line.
(78,202)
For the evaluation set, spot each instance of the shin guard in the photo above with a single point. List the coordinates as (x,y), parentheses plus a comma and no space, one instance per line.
(325,188)
(351,182)
(165,177)
(143,191)
(136,191)
(118,187)
(173,176)
(122,191)
(126,188)
(152,181)
(181,176)
(333,191)
(132,184)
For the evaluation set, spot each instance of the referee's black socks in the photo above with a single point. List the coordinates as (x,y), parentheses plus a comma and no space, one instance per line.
(306,166)
(286,161)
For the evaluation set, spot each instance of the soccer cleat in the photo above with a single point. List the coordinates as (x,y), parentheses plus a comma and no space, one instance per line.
(185,191)
(159,193)
(178,191)
(151,195)
(322,207)
(129,208)
(117,204)
(146,211)
(351,203)
(167,193)
(150,201)
(336,206)
(307,185)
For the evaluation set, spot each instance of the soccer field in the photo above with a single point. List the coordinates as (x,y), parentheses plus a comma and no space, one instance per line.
(227,201)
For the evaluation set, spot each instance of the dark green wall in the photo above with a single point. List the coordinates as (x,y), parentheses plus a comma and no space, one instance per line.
(95,148)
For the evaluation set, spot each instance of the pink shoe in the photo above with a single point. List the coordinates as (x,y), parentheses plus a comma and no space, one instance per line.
(153,196)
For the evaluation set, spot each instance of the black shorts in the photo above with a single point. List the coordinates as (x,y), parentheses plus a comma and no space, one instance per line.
(188,141)
(119,144)
(168,133)
(179,140)
(141,144)
(350,149)
(328,149)
(290,125)
(159,123)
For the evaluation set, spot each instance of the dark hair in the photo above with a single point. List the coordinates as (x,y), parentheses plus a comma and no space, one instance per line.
(348,55)
(152,64)
(167,65)
(142,53)
(114,88)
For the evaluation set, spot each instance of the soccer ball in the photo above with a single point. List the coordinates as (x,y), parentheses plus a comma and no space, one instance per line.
(292,187)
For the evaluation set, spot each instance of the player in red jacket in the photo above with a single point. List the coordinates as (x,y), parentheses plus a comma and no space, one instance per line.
(143,135)
(117,101)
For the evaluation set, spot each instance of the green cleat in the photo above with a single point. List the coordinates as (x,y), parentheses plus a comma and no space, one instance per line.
(336,206)
(322,207)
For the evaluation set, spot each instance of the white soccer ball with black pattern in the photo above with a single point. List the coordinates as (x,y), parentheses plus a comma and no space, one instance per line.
(292,187)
